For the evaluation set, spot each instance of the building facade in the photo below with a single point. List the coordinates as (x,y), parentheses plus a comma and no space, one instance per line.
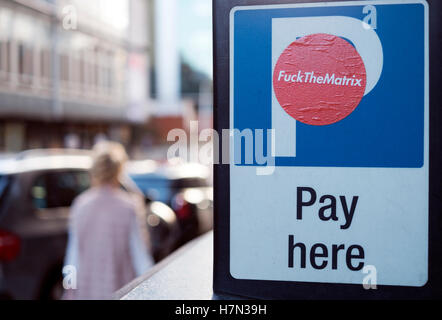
(73,72)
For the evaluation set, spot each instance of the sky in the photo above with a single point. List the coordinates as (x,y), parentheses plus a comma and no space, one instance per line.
(195,33)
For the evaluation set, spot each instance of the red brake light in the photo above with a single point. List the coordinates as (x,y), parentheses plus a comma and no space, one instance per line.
(9,246)
(182,208)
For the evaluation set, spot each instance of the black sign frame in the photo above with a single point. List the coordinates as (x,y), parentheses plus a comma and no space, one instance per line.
(223,282)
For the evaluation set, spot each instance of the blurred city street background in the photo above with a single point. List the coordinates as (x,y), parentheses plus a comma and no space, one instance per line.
(76,72)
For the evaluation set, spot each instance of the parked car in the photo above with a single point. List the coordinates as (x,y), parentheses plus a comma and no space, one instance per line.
(36,191)
(185,187)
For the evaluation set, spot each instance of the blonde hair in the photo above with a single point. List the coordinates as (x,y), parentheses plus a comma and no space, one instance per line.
(108,160)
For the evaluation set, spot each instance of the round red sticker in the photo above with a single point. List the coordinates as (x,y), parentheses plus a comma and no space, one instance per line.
(319,79)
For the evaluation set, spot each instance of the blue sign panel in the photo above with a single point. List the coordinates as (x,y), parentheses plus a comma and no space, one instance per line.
(386,129)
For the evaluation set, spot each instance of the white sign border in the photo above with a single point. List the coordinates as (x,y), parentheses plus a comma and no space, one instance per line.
(333,4)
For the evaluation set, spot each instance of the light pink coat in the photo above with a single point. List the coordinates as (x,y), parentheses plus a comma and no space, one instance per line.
(105,243)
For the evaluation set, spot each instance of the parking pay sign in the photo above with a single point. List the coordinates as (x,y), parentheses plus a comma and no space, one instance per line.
(329,158)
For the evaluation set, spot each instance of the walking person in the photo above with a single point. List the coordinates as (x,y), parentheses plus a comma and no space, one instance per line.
(107,246)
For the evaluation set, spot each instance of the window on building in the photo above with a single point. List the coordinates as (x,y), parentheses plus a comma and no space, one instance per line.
(97,76)
(5,47)
(25,63)
(64,67)
(45,64)
(4,59)
(81,70)
(110,71)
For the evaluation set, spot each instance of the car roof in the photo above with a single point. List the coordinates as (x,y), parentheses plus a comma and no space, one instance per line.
(149,168)
(40,160)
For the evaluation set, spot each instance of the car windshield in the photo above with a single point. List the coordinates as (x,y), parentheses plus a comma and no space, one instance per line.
(3,184)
